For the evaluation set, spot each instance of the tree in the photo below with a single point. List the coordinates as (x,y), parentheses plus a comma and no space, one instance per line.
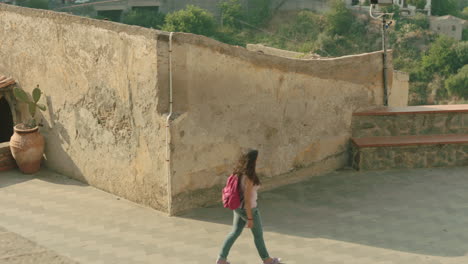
(394,9)
(305,26)
(339,18)
(258,11)
(461,50)
(192,19)
(464,13)
(457,85)
(420,4)
(441,57)
(444,7)
(144,18)
(39,4)
(231,13)
(462,4)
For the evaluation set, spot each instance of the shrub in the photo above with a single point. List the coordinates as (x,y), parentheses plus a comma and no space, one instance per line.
(461,50)
(420,4)
(231,13)
(464,13)
(144,18)
(419,21)
(457,84)
(393,9)
(443,7)
(441,57)
(39,4)
(339,18)
(418,93)
(230,36)
(332,45)
(305,27)
(192,19)
(259,11)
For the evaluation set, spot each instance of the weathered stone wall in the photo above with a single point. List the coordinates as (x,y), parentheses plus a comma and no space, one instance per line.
(296,112)
(106,88)
(101,87)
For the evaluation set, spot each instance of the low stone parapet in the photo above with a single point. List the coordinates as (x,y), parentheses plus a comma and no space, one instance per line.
(381,153)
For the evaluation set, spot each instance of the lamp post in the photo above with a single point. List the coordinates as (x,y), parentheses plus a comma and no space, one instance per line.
(385,26)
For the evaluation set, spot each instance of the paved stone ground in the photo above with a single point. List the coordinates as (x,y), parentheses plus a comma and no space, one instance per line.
(404,217)
(17,249)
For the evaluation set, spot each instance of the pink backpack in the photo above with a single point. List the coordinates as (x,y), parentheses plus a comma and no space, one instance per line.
(232,193)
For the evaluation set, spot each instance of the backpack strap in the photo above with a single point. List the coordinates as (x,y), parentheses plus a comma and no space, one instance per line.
(241,192)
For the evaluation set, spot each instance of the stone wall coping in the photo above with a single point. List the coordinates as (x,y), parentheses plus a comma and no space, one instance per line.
(394,141)
(423,109)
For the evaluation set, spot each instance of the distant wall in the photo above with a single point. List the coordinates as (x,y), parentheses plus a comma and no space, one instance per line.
(296,112)
(102,91)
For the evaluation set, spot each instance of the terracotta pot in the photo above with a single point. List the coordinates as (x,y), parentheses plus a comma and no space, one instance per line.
(27,147)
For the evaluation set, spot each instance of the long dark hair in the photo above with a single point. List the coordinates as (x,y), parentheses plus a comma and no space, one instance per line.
(246,166)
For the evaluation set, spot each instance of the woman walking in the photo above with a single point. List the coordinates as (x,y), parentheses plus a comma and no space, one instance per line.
(248,213)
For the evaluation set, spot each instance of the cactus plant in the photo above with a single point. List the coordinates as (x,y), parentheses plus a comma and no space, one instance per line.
(33,104)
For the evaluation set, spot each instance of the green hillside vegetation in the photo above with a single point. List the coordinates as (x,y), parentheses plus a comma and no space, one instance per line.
(436,64)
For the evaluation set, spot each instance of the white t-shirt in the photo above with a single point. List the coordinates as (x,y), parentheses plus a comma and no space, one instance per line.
(253,195)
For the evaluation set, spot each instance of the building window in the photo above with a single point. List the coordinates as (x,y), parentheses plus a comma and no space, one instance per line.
(454,28)
(438,28)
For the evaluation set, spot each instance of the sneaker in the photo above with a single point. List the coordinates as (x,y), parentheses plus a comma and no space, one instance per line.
(274,261)
(220,261)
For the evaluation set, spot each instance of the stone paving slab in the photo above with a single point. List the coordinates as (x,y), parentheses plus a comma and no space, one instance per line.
(15,249)
(380,217)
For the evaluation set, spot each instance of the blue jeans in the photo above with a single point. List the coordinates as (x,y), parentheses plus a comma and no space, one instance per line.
(239,222)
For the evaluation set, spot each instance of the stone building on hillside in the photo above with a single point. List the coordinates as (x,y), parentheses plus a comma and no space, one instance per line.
(448,25)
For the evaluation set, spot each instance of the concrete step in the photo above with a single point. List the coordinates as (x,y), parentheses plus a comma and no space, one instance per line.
(396,152)
(412,120)
(6,159)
